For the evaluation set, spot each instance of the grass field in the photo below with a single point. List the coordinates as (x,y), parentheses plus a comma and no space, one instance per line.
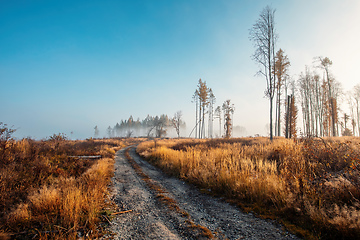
(49,193)
(311,185)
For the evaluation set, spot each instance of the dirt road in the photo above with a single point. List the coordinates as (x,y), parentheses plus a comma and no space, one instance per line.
(164,207)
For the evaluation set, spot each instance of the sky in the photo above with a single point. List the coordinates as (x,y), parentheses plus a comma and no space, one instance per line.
(68,66)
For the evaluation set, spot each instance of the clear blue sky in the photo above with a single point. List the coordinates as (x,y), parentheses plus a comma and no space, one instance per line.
(70,65)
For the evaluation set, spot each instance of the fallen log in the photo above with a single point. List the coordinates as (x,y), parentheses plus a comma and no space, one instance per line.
(116,213)
(87,157)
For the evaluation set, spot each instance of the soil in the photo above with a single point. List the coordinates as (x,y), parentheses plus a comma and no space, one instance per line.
(191,214)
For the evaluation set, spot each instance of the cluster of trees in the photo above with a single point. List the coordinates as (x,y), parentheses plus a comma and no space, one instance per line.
(319,100)
(319,93)
(204,100)
(150,126)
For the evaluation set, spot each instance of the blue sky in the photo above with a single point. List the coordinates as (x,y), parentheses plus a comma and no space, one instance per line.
(70,65)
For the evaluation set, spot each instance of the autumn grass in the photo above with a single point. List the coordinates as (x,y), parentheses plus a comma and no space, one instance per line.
(49,193)
(311,185)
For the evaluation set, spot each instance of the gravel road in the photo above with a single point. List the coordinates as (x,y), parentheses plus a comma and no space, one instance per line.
(195,215)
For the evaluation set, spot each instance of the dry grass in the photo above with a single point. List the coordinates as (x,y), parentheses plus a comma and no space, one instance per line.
(311,183)
(49,194)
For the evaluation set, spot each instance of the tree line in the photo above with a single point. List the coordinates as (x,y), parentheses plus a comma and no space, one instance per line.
(151,126)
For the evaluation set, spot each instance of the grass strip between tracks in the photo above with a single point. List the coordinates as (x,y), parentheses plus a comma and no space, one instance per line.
(201,231)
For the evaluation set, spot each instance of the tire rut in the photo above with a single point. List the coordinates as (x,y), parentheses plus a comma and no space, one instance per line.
(165,207)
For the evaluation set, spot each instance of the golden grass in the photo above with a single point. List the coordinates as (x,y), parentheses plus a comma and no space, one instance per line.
(48,194)
(313,183)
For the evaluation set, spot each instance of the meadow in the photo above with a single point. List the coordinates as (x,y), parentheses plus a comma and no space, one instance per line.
(48,192)
(311,185)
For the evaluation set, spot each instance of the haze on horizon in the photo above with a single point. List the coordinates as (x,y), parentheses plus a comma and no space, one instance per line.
(67,66)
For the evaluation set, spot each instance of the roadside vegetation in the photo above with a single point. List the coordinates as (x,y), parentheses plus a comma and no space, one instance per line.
(49,192)
(311,185)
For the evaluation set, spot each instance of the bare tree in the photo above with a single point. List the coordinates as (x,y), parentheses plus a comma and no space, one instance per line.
(177,122)
(160,126)
(109,132)
(356,97)
(5,136)
(325,64)
(196,100)
(211,113)
(263,36)
(319,101)
(129,133)
(228,110)
(305,88)
(346,132)
(96,131)
(218,115)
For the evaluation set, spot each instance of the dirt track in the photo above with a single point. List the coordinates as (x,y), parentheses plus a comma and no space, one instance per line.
(186,213)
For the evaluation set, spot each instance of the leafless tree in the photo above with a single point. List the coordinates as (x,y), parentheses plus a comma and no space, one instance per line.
(5,134)
(325,64)
(196,100)
(129,133)
(96,131)
(357,105)
(218,115)
(211,113)
(264,37)
(176,122)
(319,102)
(305,88)
(109,132)
(160,126)
(228,110)
(353,98)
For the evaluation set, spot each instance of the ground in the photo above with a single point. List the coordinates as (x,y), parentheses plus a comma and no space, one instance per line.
(174,209)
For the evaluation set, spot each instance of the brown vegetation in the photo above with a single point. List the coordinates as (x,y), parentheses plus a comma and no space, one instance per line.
(311,185)
(48,192)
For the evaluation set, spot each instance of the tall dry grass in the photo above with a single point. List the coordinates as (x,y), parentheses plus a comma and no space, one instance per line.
(312,183)
(65,208)
(48,193)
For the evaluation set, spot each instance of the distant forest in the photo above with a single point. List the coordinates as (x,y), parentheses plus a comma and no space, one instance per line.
(157,126)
